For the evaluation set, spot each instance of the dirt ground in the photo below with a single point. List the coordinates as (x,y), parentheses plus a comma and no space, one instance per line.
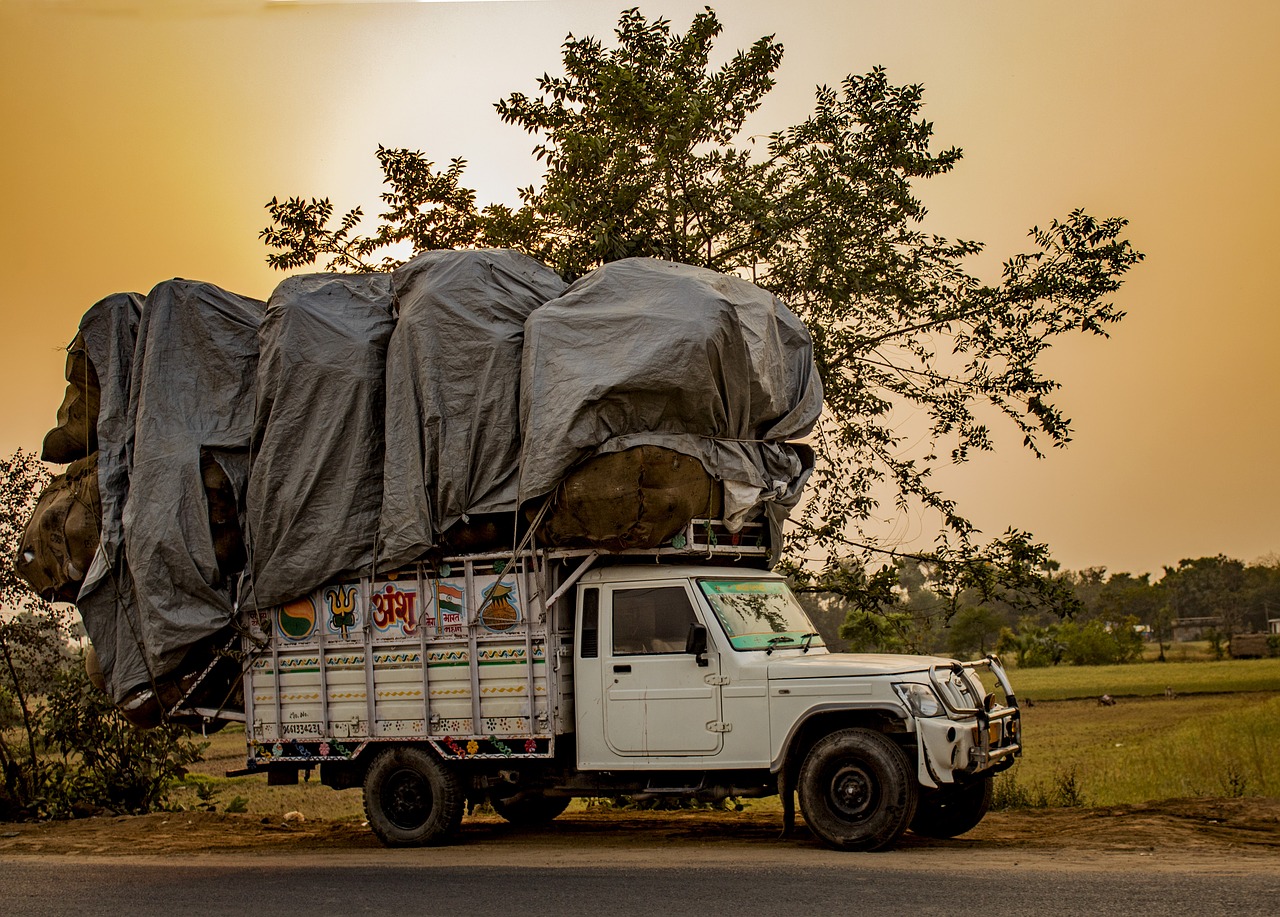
(1212,831)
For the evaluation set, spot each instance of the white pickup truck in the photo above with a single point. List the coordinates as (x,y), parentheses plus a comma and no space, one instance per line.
(535,678)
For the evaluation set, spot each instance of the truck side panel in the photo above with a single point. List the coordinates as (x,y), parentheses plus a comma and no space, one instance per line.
(309,685)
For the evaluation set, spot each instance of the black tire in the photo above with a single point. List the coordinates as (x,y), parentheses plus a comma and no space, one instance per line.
(411,799)
(951,811)
(857,790)
(530,809)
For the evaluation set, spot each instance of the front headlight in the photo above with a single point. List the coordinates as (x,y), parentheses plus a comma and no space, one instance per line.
(920,699)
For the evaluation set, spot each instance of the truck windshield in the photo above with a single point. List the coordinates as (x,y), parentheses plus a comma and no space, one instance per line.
(759,614)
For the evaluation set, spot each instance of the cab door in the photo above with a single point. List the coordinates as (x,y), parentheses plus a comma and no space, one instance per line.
(657,700)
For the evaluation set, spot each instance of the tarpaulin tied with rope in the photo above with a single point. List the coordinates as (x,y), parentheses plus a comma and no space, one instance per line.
(361,422)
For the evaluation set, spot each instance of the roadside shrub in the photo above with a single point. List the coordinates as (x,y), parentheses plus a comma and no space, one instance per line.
(1064,791)
(104,761)
(1217,642)
(1095,642)
(1031,646)
(1067,792)
(1007,792)
(1235,782)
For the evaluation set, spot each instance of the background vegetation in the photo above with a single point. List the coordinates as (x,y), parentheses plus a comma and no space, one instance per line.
(1096,618)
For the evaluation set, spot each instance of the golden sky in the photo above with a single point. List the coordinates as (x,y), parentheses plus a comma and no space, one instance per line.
(141,140)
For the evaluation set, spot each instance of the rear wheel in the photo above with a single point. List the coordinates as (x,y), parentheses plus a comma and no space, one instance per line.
(953,810)
(857,791)
(530,808)
(411,798)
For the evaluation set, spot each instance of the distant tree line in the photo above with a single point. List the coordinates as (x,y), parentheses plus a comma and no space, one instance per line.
(1086,617)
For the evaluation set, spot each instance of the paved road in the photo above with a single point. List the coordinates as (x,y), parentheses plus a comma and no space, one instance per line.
(418,883)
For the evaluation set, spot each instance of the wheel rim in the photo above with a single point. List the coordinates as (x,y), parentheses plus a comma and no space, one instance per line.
(852,792)
(407,799)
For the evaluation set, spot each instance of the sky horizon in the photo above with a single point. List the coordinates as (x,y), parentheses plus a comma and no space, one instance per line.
(146,138)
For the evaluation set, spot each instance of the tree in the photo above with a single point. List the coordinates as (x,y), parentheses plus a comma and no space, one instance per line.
(31,643)
(1125,596)
(1032,645)
(426,210)
(641,146)
(974,629)
(1099,643)
(1208,587)
(644,152)
(1262,593)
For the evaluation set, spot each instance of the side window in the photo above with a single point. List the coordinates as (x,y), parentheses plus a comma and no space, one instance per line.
(648,621)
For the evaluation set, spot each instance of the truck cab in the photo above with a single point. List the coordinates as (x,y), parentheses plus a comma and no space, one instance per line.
(717,672)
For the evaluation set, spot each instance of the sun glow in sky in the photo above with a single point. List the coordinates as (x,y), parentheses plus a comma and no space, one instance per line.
(141,140)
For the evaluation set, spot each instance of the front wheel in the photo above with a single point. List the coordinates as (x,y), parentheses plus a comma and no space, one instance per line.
(530,809)
(411,798)
(953,810)
(857,790)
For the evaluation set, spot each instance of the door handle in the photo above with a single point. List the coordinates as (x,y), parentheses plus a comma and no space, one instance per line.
(622,668)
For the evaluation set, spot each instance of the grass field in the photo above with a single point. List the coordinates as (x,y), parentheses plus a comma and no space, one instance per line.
(1147,679)
(1147,748)
(1219,735)
(1216,735)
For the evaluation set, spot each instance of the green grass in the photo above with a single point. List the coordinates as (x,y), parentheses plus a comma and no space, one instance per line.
(1151,748)
(1148,679)
(226,752)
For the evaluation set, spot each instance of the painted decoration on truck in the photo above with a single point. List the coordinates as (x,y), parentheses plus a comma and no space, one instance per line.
(500,608)
(342,602)
(259,622)
(449,599)
(296,620)
(395,609)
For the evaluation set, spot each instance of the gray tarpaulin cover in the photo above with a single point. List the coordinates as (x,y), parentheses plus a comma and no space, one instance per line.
(491,398)
(316,484)
(110,329)
(190,389)
(646,352)
(453,379)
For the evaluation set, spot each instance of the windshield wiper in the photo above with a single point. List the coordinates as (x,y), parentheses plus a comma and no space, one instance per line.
(806,640)
(774,641)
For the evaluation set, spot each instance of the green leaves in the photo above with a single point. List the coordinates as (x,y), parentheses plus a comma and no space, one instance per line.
(638,144)
(106,762)
(905,330)
(425,209)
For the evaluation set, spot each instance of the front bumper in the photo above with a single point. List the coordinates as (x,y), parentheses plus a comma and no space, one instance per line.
(972,740)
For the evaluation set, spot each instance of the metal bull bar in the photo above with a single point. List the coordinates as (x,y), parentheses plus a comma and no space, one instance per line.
(998,737)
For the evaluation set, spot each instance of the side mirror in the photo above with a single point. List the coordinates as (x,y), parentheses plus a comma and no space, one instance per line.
(696,643)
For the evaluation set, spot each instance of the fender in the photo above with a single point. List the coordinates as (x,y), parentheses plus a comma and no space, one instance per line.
(894,710)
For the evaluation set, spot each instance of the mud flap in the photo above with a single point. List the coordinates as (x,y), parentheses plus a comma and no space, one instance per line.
(788,794)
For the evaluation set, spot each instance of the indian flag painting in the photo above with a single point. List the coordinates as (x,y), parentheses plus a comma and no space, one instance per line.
(449,600)
(500,610)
